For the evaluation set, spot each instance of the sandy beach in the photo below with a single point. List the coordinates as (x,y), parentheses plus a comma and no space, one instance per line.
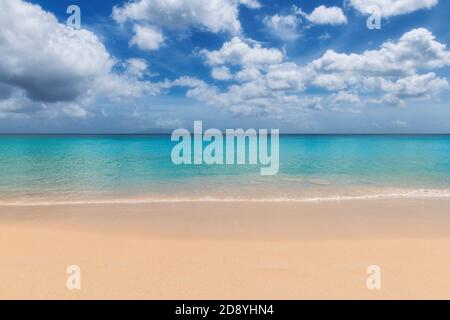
(227,250)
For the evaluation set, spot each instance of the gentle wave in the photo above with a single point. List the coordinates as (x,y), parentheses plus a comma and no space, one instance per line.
(410,194)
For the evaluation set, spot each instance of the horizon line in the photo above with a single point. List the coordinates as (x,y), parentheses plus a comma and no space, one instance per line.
(281,134)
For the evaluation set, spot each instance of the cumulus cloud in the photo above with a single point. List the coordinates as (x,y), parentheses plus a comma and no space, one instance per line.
(180,15)
(286,27)
(326,15)
(283,26)
(308,102)
(147,38)
(267,84)
(391,8)
(416,49)
(423,86)
(344,97)
(239,52)
(48,60)
(47,66)
(344,101)
(252,4)
(393,70)
(136,68)
(286,76)
(18,105)
(221,73)
(74,111)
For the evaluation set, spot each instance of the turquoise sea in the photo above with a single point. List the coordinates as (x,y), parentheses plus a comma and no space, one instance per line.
(108,168)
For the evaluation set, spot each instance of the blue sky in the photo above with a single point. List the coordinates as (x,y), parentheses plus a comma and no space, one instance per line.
(156,65)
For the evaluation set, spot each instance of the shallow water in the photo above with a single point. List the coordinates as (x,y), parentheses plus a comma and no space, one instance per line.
(100,168)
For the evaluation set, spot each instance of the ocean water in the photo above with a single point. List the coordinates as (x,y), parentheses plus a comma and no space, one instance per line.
(72,169)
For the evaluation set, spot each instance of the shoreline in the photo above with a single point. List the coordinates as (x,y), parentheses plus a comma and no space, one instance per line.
(376,194)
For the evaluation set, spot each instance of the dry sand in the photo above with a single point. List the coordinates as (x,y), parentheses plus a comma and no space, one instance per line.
(227,250)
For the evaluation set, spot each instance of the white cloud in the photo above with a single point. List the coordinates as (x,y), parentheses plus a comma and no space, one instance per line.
(423,86)
(47,67)
(284,27)
(325,36)
(391,8)
(278,22)
(393,71)
(326,15)
(17,105)
(181,15)
(416,49)
(238,52)
(309,102)
(248,74)
(221,73)
(344,101)
(136,68)
(74,111)
(252,4)
(344,97)
(264,85)
(286,76)
(147,38)
(48,60)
